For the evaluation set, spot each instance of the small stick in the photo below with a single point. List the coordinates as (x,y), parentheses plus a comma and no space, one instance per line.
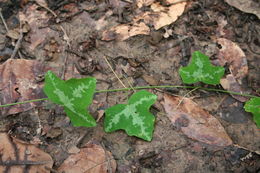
(114,72)
(184,97)
(18,44)
(3,20)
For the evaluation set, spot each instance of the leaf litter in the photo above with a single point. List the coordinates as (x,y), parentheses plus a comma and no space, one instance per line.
(18,156)
(92,158)
(241,133)
(158,17)
(195,122)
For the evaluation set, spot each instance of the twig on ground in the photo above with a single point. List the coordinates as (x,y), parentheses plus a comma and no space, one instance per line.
(185,96)
(114,72)
(17,44)
(3,20)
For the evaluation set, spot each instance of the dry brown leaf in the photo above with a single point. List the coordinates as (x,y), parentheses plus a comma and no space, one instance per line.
(195,122)
(124,31)
(91,159)
(159,16)
(19,157)
(230,83)
(36,19)
(18,82)
(248,6)
(231,54)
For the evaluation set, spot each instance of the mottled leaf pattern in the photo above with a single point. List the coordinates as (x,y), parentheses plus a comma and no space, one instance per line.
(133,117)
(201,70)
(253,106)
(74,94)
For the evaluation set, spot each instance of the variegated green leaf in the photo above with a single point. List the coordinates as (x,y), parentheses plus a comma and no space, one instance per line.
(253,106)
(133,117)
(201,70)
(74,94)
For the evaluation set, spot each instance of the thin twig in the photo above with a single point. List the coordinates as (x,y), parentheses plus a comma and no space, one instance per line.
(114,72)
(47,8)
(185,97)
(17,44)
(3,20)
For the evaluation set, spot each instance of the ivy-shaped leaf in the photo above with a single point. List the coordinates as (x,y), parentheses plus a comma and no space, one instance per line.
(133,117)
(74,94)
(201,70)
(253,106)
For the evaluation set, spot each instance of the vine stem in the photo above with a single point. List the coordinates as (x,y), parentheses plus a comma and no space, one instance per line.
(141,87)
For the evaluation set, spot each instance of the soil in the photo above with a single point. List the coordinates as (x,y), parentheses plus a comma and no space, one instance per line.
(140,60)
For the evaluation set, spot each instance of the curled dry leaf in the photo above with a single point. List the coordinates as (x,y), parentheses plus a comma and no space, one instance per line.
(19,82)
(159,16)
(248,6)
(232,55)
(17,156)
(91,159)
(195,122)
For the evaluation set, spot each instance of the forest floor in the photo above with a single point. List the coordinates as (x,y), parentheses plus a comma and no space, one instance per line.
(77,38)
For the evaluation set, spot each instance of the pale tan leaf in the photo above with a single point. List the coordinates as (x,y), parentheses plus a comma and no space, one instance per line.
(91,159)
(19,157)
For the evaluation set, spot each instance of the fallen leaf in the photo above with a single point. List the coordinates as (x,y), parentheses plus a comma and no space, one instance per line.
(18,82)
(232,55)
(166,15)
(230,83)
(248,6)
(19,157)
(36,19)
(91,159)
(195,122)
(158,16)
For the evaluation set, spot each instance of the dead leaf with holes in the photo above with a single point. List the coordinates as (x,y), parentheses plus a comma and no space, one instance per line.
(19,81)
(158,16)
(19,157)
(232,55)
(91,159)
(195,122)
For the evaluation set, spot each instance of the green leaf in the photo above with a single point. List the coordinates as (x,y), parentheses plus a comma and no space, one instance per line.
(253,106)
(201,70)
(133,117)
(74,94)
